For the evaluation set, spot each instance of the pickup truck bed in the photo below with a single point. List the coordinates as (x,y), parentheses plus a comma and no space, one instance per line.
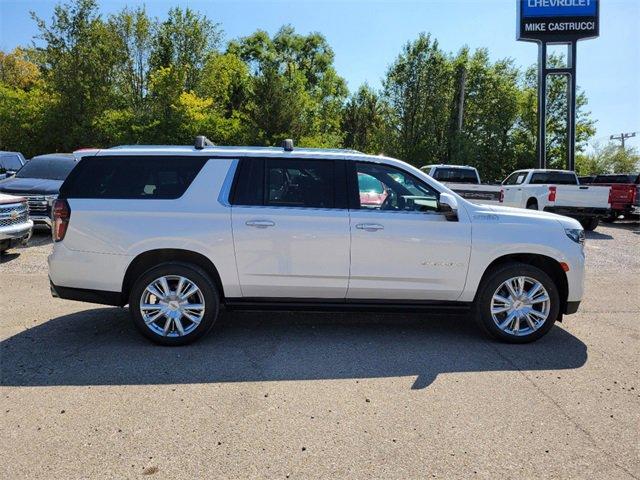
(557,191)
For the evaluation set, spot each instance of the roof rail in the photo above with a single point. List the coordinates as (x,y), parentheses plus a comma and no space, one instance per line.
(287,145)
(202,141)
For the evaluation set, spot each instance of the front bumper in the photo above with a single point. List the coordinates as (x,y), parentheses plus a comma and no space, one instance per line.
(41,220)
(17,233)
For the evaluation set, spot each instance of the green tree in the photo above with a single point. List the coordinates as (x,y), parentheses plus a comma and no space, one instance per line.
(419,90)
(134,30)
(610,158)
(489,114)
(363,121)
(184,41)
(296,91)
(17,71)
(78,62)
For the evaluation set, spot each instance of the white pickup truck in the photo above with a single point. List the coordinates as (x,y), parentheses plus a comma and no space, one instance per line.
(465,181)
(557,191)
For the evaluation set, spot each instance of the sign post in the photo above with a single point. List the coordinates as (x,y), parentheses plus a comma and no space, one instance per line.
(557,22)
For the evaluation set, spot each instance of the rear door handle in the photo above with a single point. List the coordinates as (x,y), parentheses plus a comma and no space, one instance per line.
(260,223)
(369,227)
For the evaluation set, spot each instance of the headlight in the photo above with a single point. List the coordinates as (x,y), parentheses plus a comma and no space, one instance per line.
(575,234)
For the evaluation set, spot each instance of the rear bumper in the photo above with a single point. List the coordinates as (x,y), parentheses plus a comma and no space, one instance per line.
(579,212)
(85,295)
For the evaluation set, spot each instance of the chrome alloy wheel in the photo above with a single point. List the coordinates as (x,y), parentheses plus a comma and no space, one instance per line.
(520,306)
(172,306)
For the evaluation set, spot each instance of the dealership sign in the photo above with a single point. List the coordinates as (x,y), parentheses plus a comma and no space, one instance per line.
(558,20)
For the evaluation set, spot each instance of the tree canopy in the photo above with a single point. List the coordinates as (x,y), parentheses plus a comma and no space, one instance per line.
(90,80)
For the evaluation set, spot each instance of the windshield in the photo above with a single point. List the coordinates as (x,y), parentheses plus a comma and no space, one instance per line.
(47,168)
(10,161)
(516,178)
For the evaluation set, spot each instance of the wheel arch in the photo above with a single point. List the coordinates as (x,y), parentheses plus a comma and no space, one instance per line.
(545,263)
(152,258)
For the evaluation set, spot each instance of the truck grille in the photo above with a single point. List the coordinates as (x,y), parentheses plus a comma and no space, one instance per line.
(38,205)
(13,214)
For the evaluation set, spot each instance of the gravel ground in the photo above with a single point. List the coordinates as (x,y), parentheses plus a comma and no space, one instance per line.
(286,395)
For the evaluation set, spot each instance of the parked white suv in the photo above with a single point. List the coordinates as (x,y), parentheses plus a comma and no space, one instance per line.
(177,232)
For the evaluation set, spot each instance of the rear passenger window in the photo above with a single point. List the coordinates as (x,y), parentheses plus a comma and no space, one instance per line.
(132,177)
(288,183)
(299,183)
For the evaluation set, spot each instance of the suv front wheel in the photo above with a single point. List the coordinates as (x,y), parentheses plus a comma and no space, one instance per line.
(174,303)
(517,303)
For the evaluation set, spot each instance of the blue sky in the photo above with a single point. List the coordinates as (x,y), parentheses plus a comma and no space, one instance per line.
(367,35)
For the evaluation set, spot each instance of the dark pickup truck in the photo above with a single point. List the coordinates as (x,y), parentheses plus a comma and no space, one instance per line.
(623,196)
(39,182)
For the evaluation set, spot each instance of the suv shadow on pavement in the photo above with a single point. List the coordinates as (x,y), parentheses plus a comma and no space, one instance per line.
(99,347)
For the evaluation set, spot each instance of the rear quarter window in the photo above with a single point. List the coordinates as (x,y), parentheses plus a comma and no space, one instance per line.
(132,177)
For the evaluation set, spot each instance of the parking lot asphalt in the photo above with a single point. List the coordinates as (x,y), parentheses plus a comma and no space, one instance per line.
(301,395)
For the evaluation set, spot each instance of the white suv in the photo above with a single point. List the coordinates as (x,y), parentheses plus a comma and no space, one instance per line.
(178,232)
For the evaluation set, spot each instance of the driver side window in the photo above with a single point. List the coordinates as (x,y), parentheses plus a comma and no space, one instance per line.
(386,188)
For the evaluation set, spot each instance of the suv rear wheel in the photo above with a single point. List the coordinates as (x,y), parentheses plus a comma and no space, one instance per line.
(518,303)
(174,303)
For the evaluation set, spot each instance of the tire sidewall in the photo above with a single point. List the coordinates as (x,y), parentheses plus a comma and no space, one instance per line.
(495,279)
(195,275)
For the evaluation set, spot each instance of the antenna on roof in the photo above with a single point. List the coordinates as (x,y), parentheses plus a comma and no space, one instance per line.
(287,145)
(202,141)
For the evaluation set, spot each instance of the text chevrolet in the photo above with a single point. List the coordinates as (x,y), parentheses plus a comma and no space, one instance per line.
(178,232)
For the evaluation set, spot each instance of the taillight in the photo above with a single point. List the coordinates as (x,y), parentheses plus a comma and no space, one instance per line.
(552,194)
(61,216)
(501,197)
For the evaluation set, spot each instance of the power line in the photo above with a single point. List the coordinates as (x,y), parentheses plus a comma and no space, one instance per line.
(622,137)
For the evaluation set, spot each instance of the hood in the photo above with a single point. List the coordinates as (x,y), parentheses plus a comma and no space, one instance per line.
(526,214)
(4,199)
(30,186)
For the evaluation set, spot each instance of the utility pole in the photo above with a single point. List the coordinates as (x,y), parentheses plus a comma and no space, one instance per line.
(622,137)
(462,85)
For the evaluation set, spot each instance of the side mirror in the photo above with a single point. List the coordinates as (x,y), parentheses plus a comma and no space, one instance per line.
(448,205)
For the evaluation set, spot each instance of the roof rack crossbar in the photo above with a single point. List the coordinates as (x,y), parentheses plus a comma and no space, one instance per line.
(202,141)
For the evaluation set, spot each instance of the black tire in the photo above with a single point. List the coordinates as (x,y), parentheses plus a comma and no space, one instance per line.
(590,224)
(195,275)
(611,218)
(532,204)
(492,281)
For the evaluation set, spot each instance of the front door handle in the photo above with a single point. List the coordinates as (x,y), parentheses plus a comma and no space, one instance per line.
(260,223)
(369,227)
